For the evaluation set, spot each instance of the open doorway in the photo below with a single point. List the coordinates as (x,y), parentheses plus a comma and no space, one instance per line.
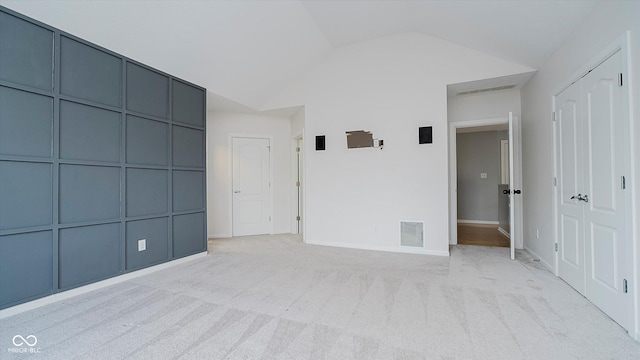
(482,178)
(515,179)
(497,102)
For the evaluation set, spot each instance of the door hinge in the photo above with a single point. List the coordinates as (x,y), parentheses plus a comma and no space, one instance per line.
(623,183)
(625,288)
(553,116)
(555,181)
(556,247)
(269,218)
(297,149)
(298,218)
(298,183)
(620,79)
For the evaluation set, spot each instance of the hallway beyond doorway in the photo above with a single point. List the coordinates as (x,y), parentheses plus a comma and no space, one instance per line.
(481,234)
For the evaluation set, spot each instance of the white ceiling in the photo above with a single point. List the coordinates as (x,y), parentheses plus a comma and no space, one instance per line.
(525,32)
(247,51)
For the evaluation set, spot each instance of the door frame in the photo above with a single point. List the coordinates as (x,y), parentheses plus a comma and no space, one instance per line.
(294,174)
(231,136)
(453,168)
(622,44)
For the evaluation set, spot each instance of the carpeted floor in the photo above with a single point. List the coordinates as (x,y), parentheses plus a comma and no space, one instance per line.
(272,297)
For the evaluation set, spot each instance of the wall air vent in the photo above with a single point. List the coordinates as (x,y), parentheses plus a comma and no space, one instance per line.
(469,92)
(412,234)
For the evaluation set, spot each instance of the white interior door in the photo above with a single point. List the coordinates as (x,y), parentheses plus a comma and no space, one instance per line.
(604,205)
(593,158)
(251,186)
(570,183)
(515,185)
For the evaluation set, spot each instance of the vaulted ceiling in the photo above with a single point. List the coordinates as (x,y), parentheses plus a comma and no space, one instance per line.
(524,32)
(248,50)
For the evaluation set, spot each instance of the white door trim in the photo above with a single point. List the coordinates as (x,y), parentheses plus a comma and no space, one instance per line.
(294,175)
(453,170)
(230,177)
(621,44)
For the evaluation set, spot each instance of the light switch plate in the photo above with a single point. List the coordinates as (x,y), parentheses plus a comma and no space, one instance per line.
(483,175)
(142,244)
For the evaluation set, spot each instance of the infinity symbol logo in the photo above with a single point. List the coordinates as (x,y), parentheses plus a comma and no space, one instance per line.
(18,340)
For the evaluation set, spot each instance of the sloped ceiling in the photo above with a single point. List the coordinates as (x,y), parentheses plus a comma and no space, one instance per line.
(523,32)
(246,51)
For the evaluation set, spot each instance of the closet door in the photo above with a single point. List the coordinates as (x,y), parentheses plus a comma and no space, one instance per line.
(605,164)
(571,266)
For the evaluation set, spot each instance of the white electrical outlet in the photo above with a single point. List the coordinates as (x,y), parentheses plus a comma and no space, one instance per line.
(483,175)
(142,244)
(376,228)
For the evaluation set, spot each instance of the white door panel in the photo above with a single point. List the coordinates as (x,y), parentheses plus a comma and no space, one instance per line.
(604,215)
(570,181)
(251,187)
(515,185)
(593,155)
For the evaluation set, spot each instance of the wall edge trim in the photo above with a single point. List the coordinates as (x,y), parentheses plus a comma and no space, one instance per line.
(31,305)
(479,222)
(538,258)
(379,248)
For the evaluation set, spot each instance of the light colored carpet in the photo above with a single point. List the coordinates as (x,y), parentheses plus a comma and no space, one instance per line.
(272,297)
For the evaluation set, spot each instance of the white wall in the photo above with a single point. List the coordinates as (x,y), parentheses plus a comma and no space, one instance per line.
(219,127)
(602,27)
(389,86)
(488,105)
(297,123)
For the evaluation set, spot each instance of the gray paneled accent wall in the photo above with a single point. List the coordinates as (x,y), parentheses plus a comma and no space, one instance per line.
(97,152)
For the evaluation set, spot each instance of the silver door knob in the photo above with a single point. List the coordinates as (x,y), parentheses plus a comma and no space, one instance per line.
(236,191)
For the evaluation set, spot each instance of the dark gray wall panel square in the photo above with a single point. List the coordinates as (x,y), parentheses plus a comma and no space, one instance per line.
(68,162)
(188,104)
(88,253)
(26,53)
(188,146)
(156,234)
(188,234)
(26,123)
(147,192)
(147,141)
(25,194)
(89,193)
(147,91)
(89,133)
(188,190)
(90,74)
(26,265)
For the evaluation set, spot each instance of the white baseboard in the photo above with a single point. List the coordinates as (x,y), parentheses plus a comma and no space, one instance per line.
(479,222)
(504,232)
(219,236)
(380,248)
(17,309)
(536,257)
